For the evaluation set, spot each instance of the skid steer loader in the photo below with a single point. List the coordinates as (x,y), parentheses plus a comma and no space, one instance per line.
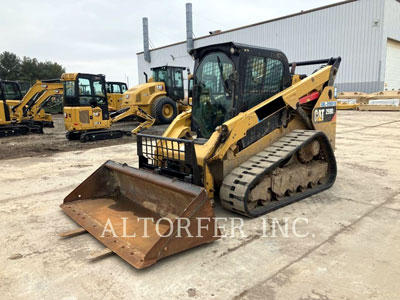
(259,137)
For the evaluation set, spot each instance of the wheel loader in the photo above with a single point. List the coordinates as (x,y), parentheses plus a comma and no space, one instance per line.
(163,94)
(26,115)
(115,90)
(259,137)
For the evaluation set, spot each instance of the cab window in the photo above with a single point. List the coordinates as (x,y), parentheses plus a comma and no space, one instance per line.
(116,88)
(162,76)
(84,87)
(178,78)
(99,92)
(11,91)
(212,102)
(263,79)
(85,91)
(108,88)
(124,88)
(69,87)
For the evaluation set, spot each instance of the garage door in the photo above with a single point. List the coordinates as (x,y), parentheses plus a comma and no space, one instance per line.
(392,73)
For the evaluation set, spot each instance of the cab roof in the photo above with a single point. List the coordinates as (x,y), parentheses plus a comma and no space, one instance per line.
(74,76)
(166,67)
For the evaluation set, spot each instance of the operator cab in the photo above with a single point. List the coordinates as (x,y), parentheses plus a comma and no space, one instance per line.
(10,90)
(86,90)
(115,87)
(220,93)
(173,80)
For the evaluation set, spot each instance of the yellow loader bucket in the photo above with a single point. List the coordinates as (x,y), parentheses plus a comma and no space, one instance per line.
(141,216)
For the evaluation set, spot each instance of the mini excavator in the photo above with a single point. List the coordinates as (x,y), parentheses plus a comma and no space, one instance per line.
(21,116)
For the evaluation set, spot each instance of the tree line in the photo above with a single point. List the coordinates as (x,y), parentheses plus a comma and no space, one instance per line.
(27,69)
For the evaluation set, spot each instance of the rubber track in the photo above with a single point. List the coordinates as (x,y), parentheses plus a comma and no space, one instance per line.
(236,186)
(103,135)
(13,130)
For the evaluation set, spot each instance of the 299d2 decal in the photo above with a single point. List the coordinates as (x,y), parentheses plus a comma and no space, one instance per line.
(324,114)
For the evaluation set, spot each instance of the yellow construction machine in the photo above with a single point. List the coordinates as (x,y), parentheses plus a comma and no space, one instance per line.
(31,106)
(115,90)
(88,117)
(162,96)
(26,115)
(258,137)
(388,101)
(86,110)
(10,91)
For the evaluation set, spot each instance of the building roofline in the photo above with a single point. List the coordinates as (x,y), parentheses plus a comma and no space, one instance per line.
(260,23)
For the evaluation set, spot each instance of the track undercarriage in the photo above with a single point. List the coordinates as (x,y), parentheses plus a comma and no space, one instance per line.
(96,135)
(297,166)
(25,127)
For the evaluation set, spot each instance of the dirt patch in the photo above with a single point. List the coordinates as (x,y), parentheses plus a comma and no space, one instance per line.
(191,292)
(53,140)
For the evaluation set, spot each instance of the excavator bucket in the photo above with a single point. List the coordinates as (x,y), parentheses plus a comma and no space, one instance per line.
(141,216)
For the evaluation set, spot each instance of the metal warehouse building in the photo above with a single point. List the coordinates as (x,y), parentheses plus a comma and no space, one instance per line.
(365,33)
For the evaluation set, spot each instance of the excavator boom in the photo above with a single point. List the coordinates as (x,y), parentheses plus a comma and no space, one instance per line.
(35,109)
(135,111)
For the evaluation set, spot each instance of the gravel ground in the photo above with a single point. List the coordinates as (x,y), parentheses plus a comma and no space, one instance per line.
(54,140)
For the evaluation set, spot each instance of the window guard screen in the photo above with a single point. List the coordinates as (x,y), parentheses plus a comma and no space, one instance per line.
(263,79)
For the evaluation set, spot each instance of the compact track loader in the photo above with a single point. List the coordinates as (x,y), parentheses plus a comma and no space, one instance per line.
(258,137)
(26,115)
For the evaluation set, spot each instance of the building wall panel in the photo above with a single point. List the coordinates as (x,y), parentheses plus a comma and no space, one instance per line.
(352,30)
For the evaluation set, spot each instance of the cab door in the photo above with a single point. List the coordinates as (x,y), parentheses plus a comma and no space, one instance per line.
(4,110)
(175,84)
(100,105)
(85,98)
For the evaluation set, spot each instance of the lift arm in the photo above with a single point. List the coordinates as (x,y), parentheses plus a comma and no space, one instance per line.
(133,111)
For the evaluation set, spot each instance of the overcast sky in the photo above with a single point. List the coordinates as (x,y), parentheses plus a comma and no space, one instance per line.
(103,36)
